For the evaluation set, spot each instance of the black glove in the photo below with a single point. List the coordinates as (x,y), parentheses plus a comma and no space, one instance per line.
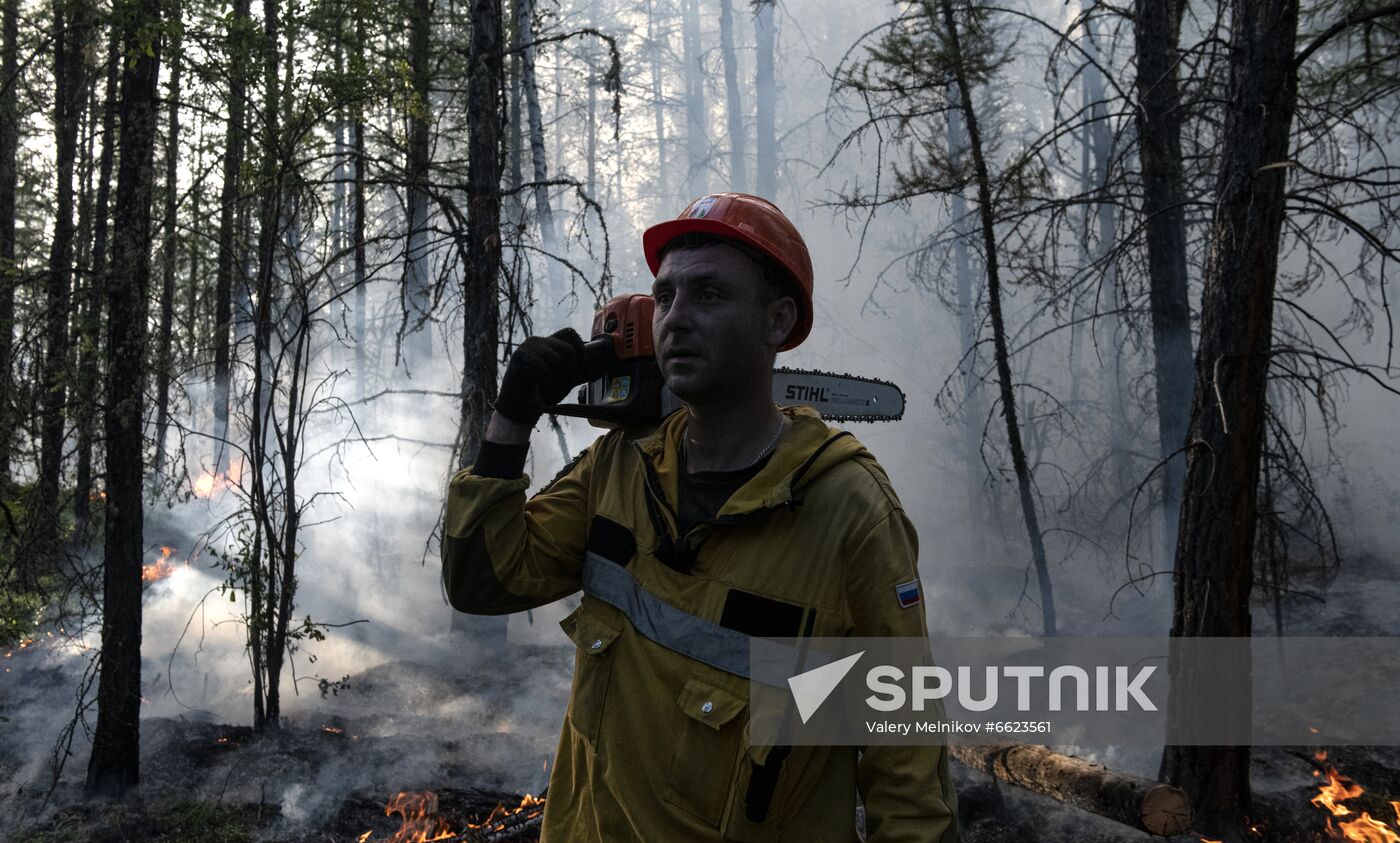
(540,374)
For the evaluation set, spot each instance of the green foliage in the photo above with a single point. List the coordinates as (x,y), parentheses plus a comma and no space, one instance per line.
(65,826)
(20,613)
(148,33)
(167,821)
(333,686)
(23,605)
(903,77)
(182,820)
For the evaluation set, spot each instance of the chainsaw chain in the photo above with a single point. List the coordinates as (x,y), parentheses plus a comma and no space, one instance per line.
(853,417)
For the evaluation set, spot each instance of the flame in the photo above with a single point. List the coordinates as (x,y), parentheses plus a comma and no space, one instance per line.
(1337,789)
(161,568)
(334,730)
(208,483)
(422,825)
(495,820)
(23,645)
(420,821)
(1363,829)
(1366,830)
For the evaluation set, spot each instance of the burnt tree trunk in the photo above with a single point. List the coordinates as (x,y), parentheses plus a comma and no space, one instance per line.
(1158,24)
(88,380)
(515,140)
(196,291)
(480,279)
(1214,574)
(113,766)
(538,154)
(71,21)
(766,100)
(9,183)
(974,410)
(417,294)
(544,214)
(696,141)
(230,256)
(264,587)
(481,274)
(738,175)
(1003,364)
(658,106)
(339,197)
(357,202)
(1098,137)
(590,146)
(169,240)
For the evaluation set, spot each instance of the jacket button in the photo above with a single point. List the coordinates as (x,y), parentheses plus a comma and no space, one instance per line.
(707,707)
(596,644)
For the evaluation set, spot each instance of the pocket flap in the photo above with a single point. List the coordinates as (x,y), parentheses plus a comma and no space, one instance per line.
(590,633)
(709,704)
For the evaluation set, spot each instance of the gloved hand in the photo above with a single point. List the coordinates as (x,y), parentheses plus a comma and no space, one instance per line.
(540,374)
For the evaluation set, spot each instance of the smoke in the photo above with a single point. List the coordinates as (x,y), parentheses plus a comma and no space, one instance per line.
(434,706)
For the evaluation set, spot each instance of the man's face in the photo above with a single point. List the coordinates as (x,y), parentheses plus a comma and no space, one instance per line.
(713,334)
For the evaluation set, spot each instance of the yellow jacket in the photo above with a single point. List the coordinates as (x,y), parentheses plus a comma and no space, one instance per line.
(654,746)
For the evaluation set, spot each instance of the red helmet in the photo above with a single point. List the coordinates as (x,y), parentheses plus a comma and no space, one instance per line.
(750,220)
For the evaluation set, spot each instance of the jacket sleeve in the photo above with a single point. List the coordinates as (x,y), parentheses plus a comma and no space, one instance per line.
(502,553)
(907,791)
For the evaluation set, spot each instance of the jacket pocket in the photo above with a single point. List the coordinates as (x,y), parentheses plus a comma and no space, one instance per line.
(701,774)
(594,637)
(738,825)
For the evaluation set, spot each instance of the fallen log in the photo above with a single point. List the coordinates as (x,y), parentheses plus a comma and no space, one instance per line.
(1141,803)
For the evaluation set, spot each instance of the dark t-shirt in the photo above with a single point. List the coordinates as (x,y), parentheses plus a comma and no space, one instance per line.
(703,493)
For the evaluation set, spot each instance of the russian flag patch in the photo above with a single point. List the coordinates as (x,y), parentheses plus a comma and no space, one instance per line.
(908,594)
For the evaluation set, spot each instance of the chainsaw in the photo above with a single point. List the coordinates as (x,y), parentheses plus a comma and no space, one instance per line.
(631,389)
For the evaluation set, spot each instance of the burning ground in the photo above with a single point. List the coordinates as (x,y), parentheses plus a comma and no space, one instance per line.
(334,767)
(426,748)
(413,708)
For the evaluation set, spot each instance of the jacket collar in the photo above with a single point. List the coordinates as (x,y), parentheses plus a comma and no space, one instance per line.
(807,449)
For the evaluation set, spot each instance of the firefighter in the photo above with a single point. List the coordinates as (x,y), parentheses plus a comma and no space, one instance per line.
(733,518)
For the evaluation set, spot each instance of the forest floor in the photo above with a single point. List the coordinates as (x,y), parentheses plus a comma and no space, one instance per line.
(481,734)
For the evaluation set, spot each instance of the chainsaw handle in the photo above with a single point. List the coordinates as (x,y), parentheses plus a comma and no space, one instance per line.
(598,355)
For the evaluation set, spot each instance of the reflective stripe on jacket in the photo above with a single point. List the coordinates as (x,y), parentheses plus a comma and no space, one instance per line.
(654,745)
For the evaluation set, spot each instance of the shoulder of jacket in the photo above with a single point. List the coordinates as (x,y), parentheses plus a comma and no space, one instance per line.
(620,441)
(600,449)
(877,474)
(863,476)
(613,445)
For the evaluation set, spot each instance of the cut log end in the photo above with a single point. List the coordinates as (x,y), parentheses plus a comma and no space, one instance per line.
(1166,810)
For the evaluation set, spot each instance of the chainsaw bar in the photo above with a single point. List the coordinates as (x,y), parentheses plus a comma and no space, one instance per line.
(634,392)
(839,397)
